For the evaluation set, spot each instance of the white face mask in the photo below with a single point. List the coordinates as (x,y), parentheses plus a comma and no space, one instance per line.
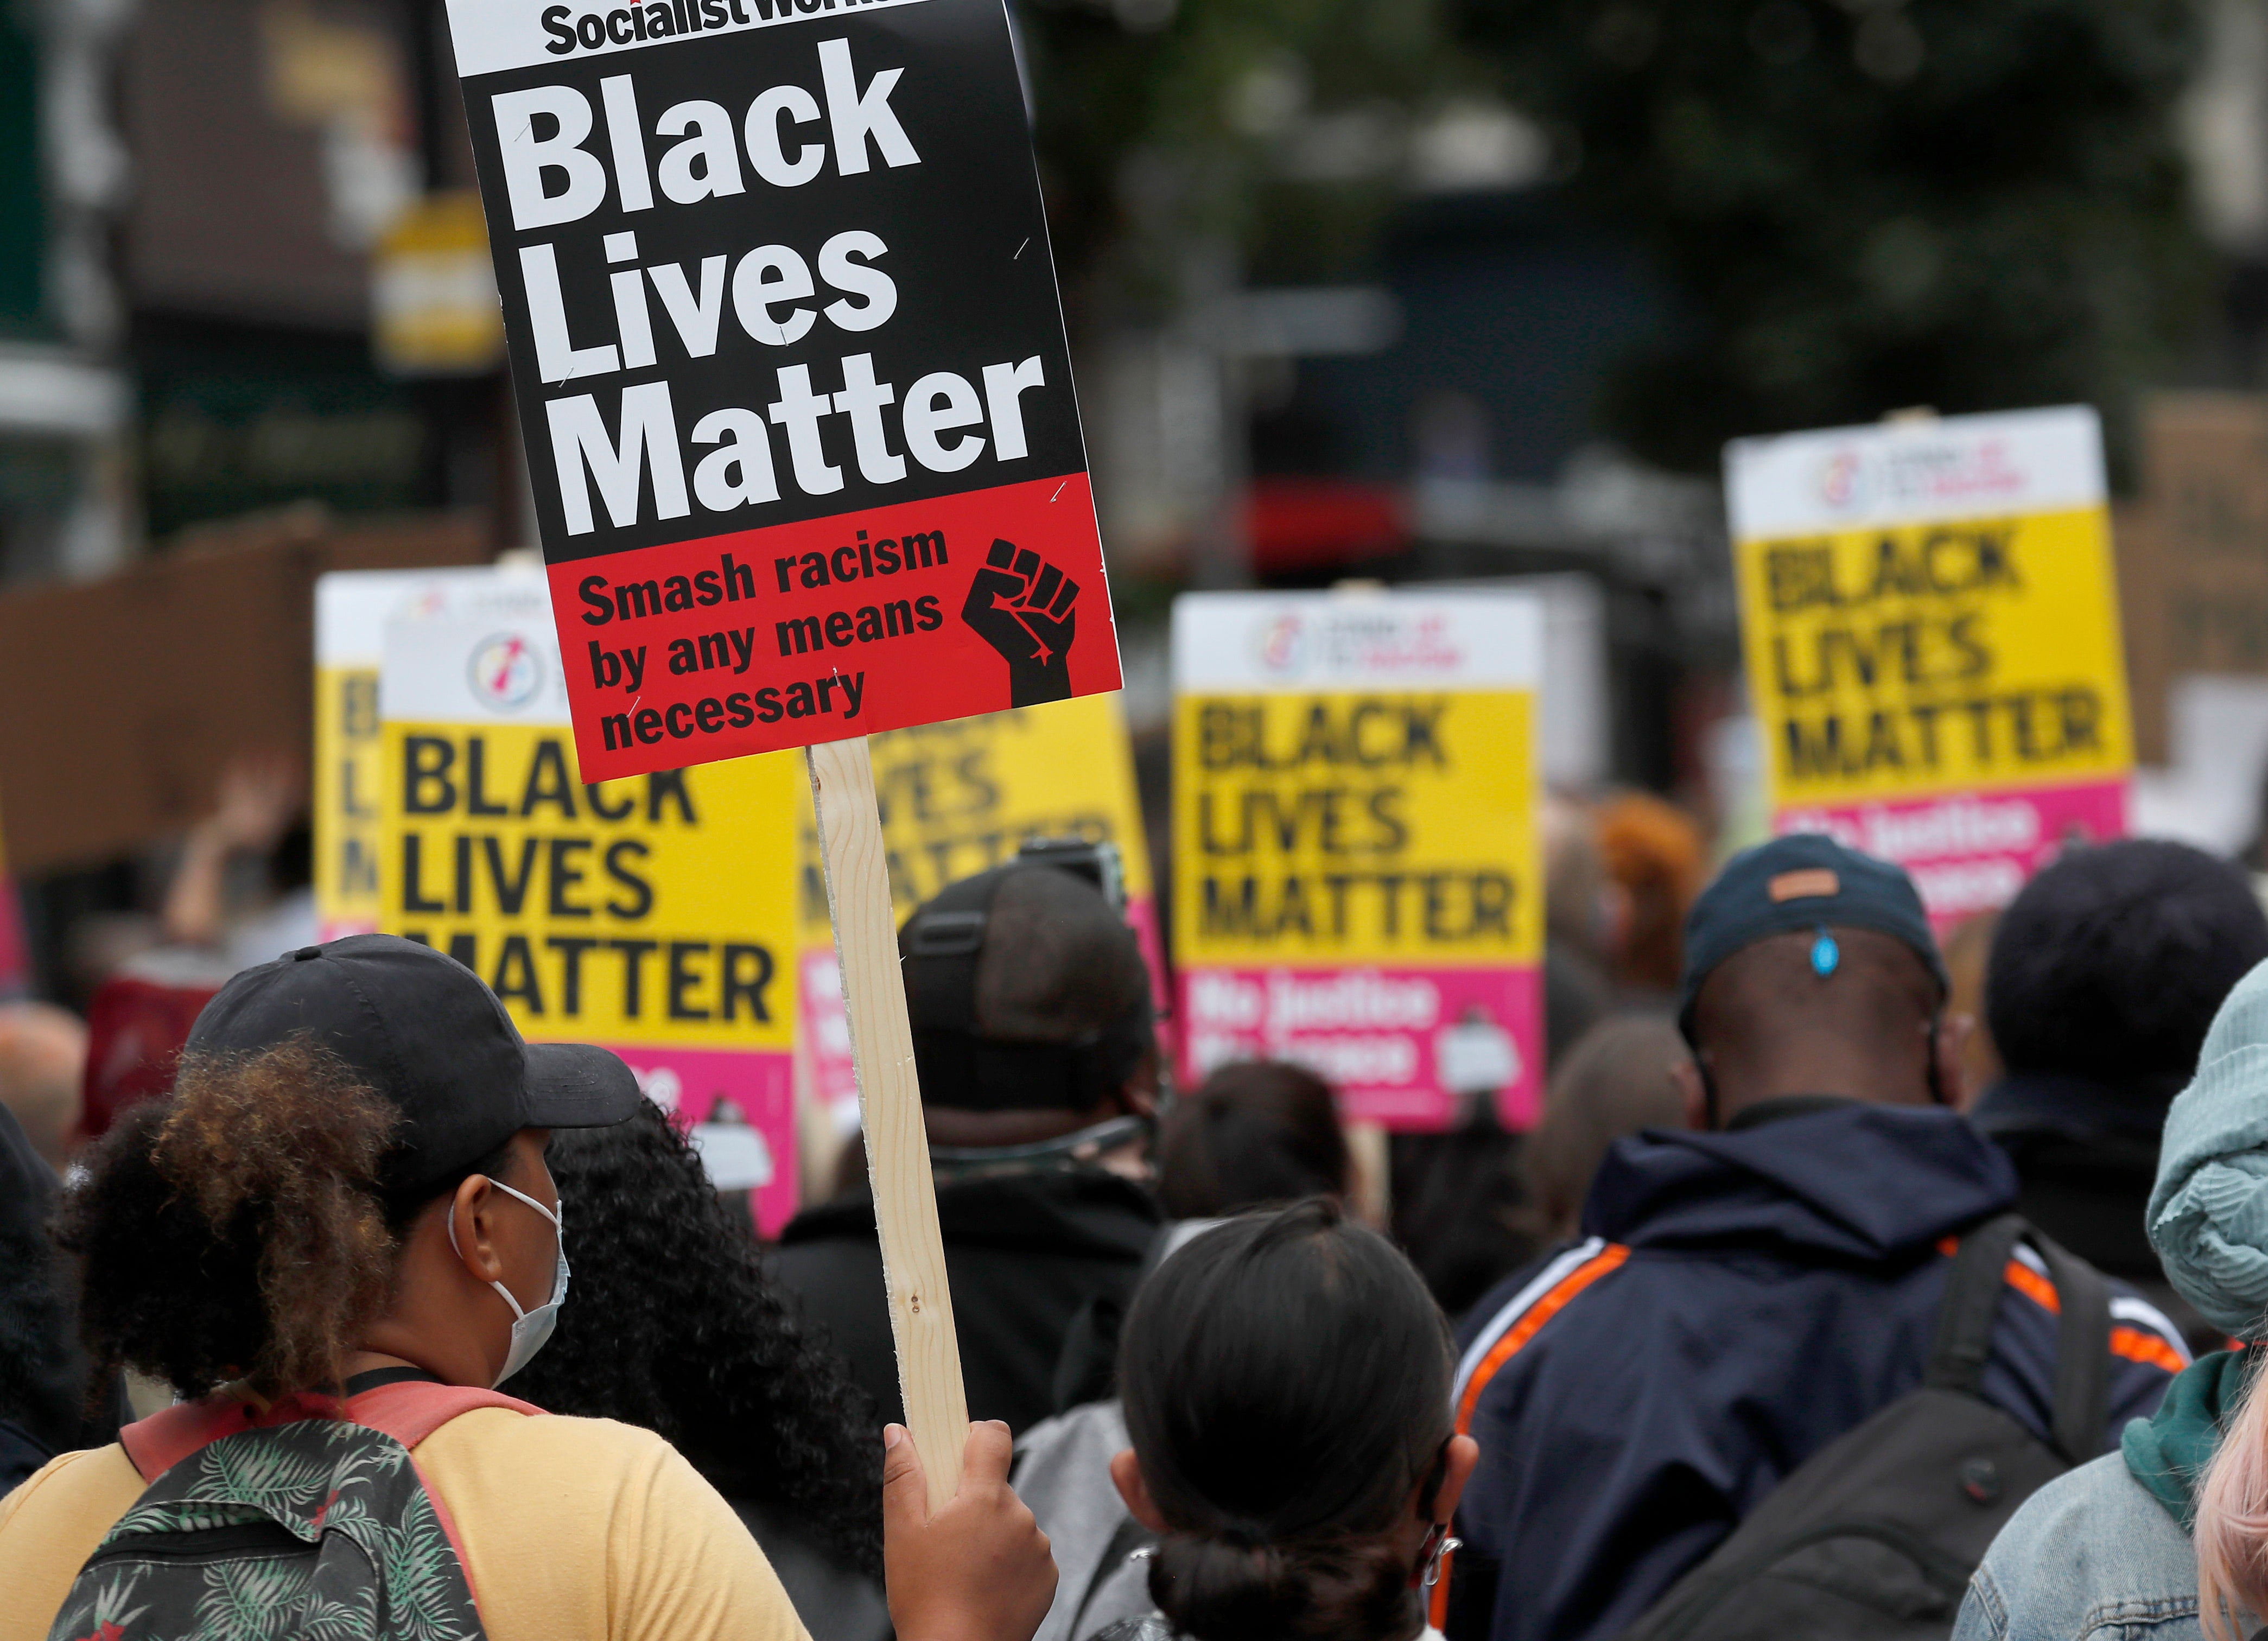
(529,1329)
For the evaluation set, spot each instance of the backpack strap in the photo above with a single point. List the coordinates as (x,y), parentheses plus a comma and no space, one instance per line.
(409,1410)
(161,1441)
(2082,1381)
(1972,1299)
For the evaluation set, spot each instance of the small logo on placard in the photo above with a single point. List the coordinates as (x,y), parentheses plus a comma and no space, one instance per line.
(1842,481)
(1280,644)
(1933,472)
(504,672)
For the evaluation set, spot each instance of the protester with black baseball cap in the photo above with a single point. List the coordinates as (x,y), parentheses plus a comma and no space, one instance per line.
(1746,1292)
(344,1198)
(1030,1005)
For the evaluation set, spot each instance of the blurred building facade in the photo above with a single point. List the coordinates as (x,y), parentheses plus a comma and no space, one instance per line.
(241,267)
(1340,307)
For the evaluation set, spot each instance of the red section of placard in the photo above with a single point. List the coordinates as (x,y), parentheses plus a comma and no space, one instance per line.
(696,650)
(15,963)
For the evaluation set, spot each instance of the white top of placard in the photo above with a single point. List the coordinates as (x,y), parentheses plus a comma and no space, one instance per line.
(492,35)
(490,656)
(1915,472)
(1305,641)
(353,606)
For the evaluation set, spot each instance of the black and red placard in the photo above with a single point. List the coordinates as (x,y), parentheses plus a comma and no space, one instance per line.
(790,365)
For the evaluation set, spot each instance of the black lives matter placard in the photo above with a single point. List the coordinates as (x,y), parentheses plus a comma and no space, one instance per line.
(791,368)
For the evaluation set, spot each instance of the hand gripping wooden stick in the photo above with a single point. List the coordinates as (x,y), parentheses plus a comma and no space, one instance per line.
(889,1105)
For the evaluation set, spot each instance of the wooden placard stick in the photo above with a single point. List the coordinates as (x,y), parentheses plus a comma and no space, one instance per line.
(890,1109)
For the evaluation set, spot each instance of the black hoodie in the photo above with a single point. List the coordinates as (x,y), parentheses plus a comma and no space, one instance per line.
(1027,1254)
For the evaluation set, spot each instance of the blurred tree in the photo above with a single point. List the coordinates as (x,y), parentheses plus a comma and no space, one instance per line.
(1867,204)
(1187,143)
(23,229)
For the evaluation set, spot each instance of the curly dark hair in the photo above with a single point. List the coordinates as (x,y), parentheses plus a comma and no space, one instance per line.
(237,1229)
(671,1323)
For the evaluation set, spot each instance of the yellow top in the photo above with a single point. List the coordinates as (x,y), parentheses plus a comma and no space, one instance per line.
(572,1529)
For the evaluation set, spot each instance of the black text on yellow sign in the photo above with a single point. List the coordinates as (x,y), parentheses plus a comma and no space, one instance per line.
(1934,656)
(346,780)
(1355,827)
(960,796)
(654,910)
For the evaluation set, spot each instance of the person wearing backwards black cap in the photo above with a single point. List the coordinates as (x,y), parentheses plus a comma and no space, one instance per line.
(1747,1293)
(1033,1039)
(343,1211)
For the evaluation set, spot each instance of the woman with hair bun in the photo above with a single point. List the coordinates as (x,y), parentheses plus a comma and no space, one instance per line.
(1286,1378)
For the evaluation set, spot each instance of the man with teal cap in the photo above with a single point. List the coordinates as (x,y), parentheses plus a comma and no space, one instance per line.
(1752,1289)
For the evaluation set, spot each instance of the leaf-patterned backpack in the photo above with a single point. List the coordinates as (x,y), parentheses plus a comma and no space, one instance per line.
(307,1522)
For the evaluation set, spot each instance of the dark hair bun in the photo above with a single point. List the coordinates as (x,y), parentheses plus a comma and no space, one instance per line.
(1327,1590)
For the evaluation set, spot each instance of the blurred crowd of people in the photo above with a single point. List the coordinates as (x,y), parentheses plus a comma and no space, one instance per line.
(1849,1283)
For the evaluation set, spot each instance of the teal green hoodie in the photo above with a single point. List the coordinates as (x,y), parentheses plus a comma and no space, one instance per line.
(2167,1452)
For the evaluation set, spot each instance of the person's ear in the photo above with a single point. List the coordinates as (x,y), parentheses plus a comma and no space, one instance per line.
(470,1213)
(1464,1457)
(1693,1089)
(1948,1044)
(1138,1093)
(1126,1475)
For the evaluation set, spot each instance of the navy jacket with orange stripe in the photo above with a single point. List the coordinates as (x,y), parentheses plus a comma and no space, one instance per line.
(1740,1300)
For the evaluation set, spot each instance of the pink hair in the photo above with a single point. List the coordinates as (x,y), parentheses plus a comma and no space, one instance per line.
(2231,1523)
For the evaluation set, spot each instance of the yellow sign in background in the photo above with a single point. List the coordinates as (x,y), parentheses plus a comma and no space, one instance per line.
(653,910)
(1386,826)
(957,798)
(347,810)
(352,607)
(1914,659)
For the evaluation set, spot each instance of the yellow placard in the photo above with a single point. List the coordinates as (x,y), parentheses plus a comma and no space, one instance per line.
(1916,660)
(655,910)
(957,798)
(1390,827)
(348,812)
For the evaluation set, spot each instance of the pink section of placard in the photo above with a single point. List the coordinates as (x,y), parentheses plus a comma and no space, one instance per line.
(1971,852)
(826,1030)
(691,1083)
(1142,913)
(15,961)
(1393,1042)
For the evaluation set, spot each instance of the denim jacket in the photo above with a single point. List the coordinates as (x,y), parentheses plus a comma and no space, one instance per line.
(2092,1555)
(2105,1549)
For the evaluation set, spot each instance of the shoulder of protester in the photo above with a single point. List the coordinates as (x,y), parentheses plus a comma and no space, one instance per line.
(2091,1553)
(1687,1229)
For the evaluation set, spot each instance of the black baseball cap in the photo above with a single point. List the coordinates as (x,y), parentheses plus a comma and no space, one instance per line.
(425,1034)
(1806,880)
(939,949)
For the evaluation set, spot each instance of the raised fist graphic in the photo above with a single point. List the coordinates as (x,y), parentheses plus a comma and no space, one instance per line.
(1022,608)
